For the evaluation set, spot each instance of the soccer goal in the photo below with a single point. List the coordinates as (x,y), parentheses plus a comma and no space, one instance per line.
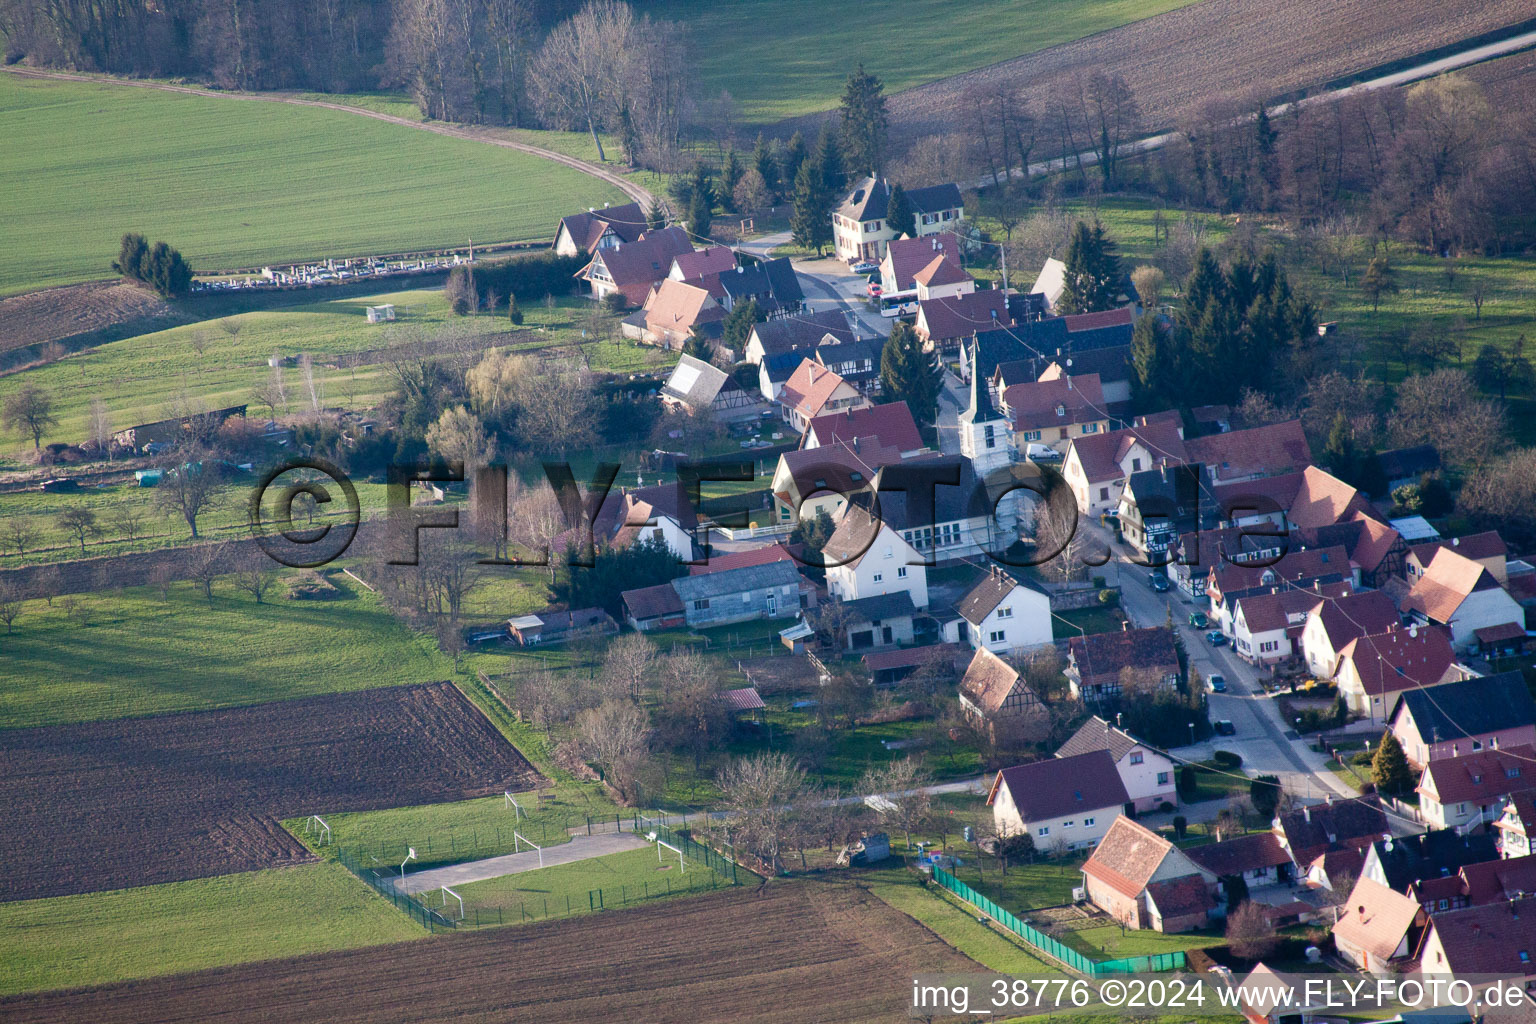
(682,865)
(519,814)
(316,825)
(449,892)
(518,837)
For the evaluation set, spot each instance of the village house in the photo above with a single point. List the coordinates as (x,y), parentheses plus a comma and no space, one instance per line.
(1475,885)
(993,692)
(772,284)
(1111,365)
(1374,669)
(1307,833)
(1334,622)
(1160,505)
(1267,625)
(558,627)
(582,234)
(1399,862)
(702,389)
(881,620)
(701,265)
(1100,664)
(1053,412)
(1498,939)
(809,481)
(867,558)
(657,607)
(1002,613)
(1197,552)
(1267,996)
(1145,882)
(720,598)
(943,323)
(1487,549)
(632,269)
(1324,499)
(660,513)
(1258,859)
(1149,775)
(1378,929)
(1464,717)
(1062,803)
(1307,568)
(857,362)
(891,425)
(1466,791)
(1097,465)
(813,390)
(800,333)
(1403,466)
(861,232)
(942,278)
(1514,829)
(1377,551)
(906,258)
(675,311)
(1242,455)
(1461,594)
(946,511)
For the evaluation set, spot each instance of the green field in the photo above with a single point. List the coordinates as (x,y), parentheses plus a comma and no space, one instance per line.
(781,58)
(97,938)
(131,653)
(141,379)
(564,890)
(239,184)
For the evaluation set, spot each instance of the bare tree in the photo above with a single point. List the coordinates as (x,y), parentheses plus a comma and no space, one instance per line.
(205,564)
(761,793)
(189,482)
(555,407)
(255,581)
(1149,282)
(313,386)
(128,518)
(10,605)
(100,426)
(1250,934)
(29,410)
(691,716)
(20,533)
(1445,409)
(614,737)
(536,520)
(631,661)
(80,523)
(574,77)
(899,795)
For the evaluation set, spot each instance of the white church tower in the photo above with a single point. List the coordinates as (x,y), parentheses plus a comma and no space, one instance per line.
(985,436)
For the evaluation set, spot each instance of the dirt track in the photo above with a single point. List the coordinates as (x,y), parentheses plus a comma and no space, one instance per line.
(1221,48)
(107,805)
(799,953)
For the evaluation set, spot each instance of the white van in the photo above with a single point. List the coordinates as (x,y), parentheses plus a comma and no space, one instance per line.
(1042,453)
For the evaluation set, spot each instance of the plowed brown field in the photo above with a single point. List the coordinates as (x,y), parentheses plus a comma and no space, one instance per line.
(799,953)
(1218,49)
(107,805)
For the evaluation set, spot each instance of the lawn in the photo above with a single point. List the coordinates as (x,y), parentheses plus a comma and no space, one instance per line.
(131,653)
(609,882)
(464,830)
(98,938)
(1111,942)
(239,184)
(799,64)
(219,363)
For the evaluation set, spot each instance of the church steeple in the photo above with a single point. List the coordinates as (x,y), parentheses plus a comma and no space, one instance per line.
(980,408)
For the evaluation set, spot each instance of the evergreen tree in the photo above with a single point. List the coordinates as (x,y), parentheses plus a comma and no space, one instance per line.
(1340,452)
(1389,768)
(738,326)
(130,255)
(1092,278)
(811,225)
(1264,792)
(768,167)
(698,346)
(909,374)
(1151,362)
(829,160)
(655,220)
(730,173)
(898,213)
(701,201)
(865,123)
(790,158)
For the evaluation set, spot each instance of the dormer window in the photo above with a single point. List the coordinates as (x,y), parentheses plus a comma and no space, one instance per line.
(1513,773)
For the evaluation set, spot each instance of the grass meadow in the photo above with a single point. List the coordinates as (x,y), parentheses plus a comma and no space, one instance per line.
(238,184)
(219,362)
(782,58)
(130,652)
(99,938)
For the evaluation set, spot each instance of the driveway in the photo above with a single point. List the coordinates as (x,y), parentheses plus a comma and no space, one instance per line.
(829,285)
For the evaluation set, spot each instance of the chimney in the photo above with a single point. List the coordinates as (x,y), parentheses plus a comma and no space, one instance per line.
(1328,799)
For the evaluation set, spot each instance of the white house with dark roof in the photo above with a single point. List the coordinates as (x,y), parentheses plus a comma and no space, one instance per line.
(1060,802)
(860,230)
(608,228)
(985,436)
(1002,613)
(1148,774)
(1464,717)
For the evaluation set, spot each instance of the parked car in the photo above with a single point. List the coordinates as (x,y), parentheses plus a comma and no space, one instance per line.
(1041,453)
(1160,583)
(865,267)
(874,290)
(1199,620)
(1224,728)
(1216,638)
(1217,684)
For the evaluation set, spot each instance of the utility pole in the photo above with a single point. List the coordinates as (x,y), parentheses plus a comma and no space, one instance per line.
(1003,250)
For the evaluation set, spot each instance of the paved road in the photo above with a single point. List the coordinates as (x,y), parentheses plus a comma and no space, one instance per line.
(579,848)
(1429,69)
(832,286)
(1263,741)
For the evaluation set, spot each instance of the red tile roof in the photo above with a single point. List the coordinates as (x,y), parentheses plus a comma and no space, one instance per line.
(642,263)
(960,316)
(1101,454)
(1477,546)
(714,259)
(1260,451)
(745,699)
(1376,918)
(1486,940)
(587,229)
(742,559)
(1377,540)
(907,656)
(655,602)
(1399,658)
(989,681)
(1295,567)
(1100,657)
(1128,855)
(1355,615)
(1247,494)
(1058,786)
(891,425)
(1235,856)
(910,255)
(1263,613)
(941,270)
(1448,580)
(1062,402)
(1176,897)
(1323,500)
(1482,777)
(677,307)
(809,388)
(1094,321)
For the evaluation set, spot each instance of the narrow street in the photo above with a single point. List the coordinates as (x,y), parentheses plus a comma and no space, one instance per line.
(829,285)
(1267,745)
